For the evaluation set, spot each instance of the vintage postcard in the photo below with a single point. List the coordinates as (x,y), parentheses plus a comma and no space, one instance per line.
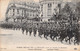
(39,25)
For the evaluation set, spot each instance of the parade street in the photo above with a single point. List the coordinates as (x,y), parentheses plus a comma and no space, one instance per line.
(14,38)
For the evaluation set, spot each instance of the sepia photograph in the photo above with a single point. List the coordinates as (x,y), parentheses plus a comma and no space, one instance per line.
(39,25)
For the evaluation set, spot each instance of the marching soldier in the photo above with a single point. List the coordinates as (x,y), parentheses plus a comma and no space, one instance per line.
(30,29)
(51,33)
(40,30)
(27,29)
(23,30)
(35,30)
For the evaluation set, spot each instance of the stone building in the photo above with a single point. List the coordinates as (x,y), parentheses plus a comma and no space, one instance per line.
(22,10)
(49,8)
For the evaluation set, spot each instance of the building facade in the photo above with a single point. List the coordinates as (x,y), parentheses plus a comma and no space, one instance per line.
(49,8)
(22,10)
(45,9)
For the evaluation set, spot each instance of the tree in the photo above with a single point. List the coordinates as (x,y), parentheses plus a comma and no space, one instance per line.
(78,7)
(78,11)
(64,13)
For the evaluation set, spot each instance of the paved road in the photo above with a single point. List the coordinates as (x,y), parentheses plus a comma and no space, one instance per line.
(15,38)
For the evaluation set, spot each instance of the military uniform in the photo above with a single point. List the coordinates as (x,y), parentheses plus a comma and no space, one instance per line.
(27,29)
(40,30)
(34,30)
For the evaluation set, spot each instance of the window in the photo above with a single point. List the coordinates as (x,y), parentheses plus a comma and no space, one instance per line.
(33,14)
(48,19)
(41,7)
(17,11)
(49,5)
(49,12)
(49,9)
(49,15)
(59,5)
(53,2)
(30,14)
(41,15)
(13,10)
(22,12)
(13,13)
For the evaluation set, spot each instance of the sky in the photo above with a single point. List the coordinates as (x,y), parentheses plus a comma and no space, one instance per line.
(4,5)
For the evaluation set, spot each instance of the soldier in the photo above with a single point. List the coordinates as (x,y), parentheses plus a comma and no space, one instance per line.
(23,30)
(55,34)
(69,34)
(27,29)
(30,29)
(51,33)
(76,35)
(46,33)
(40,30)
(35,30)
